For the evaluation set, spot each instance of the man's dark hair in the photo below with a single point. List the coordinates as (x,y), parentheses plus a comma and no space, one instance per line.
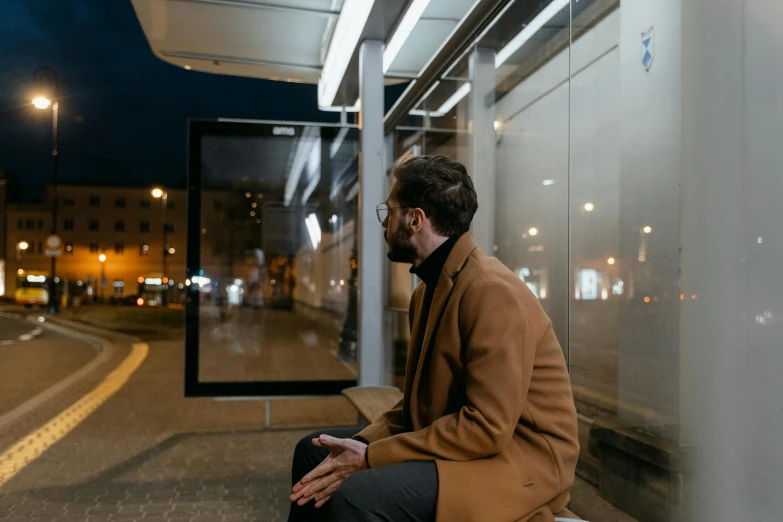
(440,187)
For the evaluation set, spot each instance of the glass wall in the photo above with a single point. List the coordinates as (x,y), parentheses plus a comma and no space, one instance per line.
(645,224)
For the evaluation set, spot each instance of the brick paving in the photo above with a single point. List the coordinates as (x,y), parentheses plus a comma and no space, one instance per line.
(198,477)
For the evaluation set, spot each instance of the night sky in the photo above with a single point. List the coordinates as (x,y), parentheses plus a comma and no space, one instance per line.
(123,112)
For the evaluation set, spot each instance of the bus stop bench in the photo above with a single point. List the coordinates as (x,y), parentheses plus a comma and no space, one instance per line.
(371,402)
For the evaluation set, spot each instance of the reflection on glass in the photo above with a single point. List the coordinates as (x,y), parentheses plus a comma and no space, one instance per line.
(661,275)
(278,255)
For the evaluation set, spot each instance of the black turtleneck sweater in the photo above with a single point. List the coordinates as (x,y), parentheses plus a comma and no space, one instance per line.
(429,271)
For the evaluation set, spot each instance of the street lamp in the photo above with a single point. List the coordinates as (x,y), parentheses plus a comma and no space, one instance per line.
(102,259)
(22,246)
(42,102)
(159,193)
(49,82)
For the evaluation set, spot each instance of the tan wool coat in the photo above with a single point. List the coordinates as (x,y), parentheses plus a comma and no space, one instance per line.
(487,397)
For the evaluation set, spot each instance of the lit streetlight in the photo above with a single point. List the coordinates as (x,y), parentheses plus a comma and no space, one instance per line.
(159,193)
(647,229)
(49,82)
(589,207)
(102,259)
(42,102)
(21,246)
(533,231)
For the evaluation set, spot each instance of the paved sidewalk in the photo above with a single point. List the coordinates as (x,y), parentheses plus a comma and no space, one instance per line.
(149,454)
(198,477)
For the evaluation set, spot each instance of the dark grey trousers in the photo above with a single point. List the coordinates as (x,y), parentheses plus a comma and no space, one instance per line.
(406,492)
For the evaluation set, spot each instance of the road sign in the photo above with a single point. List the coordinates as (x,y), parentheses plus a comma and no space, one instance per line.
(53,246)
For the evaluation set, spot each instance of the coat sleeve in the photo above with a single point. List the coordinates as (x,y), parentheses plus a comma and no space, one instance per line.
(391,422)
(499,352)
(388,424)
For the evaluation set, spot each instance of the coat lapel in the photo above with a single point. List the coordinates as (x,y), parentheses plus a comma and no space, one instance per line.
(417,332)
(456,260)
(439,300)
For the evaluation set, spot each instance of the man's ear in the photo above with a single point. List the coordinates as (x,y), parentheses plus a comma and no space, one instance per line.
(417,222)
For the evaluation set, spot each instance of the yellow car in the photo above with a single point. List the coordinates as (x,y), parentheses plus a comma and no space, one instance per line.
(31,296)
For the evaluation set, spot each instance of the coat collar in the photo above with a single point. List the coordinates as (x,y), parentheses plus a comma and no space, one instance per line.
(459,255)
(429,270)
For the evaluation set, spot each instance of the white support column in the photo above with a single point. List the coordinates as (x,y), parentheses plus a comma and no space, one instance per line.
(371,245)
(482,145)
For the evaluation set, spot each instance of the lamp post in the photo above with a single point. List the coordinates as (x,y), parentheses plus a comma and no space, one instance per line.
(22,246)
(159,193)
(102,259)
(349,335)
(49,81)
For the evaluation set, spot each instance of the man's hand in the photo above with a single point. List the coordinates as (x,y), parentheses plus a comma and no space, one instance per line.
(346,458)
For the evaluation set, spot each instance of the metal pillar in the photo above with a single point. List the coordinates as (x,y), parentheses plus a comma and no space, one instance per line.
(371,243)
(482,145)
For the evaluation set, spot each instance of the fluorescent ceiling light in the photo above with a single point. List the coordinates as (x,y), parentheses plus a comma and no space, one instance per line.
(447,105)
(530,29)
(429,91)
(455,98)
(421,112)
(313,230)
(338,142)
(513,46)
(313,170)
(308,142)
(353,192)
(342,179)
(403,31)
(356,107)
(311,187)
(412,139)
(349,28)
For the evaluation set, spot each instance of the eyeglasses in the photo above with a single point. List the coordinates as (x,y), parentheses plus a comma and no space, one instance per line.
(382,211)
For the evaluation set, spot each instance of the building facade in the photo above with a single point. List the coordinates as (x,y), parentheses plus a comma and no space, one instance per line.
(127,225)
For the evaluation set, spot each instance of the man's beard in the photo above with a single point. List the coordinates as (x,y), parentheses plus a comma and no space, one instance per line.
(401,249)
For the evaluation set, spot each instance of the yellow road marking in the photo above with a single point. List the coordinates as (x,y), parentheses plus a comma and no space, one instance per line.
(14,459)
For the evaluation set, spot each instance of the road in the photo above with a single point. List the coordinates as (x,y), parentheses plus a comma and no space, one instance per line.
(33,358)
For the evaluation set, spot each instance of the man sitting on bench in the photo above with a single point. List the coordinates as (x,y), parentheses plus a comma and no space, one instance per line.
(486,430)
